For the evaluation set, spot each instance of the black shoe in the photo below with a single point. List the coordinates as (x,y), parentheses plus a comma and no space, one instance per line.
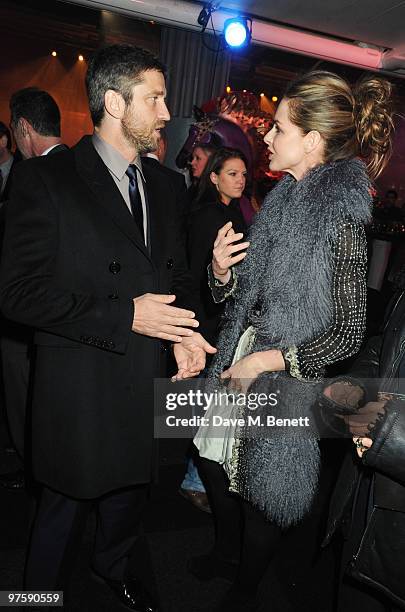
(208,567)
(132,593)
(13,480)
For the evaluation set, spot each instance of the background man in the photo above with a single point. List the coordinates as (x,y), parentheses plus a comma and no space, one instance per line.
(36,126)
(93,261)
(156,159)
(35,121)
(6,161)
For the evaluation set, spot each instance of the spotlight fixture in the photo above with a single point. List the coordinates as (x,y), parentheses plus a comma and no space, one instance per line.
(54,54)
(238,32)
(262,95)
(228,89)
(80,58)
(274,99)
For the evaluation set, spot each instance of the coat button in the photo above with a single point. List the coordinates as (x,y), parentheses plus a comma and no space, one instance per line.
(115,267)
(113,296)
(163,347)
(169,264)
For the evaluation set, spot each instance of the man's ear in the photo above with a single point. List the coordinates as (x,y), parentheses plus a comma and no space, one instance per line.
(25,127)
(312,141)
(114,104)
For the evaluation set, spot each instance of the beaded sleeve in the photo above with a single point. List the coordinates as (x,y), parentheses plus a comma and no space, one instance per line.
(344,336)
(219,291)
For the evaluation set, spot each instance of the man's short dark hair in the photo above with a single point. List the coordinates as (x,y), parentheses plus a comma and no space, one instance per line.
(39,108)
(116,67)
(4,131)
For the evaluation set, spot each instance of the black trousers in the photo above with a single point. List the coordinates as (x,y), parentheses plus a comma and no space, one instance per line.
(16,363)
(242,533)
(58,528)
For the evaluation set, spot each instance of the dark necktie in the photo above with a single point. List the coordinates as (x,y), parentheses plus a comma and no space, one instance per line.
(135,198)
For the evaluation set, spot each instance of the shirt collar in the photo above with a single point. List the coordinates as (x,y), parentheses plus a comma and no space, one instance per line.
(115,162)
(49,149)
(152,156)
(5,167)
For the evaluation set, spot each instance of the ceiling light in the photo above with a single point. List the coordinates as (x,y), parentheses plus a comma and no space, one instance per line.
(237,32)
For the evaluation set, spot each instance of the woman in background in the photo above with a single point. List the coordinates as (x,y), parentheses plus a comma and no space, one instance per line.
(221,186)
(218,202)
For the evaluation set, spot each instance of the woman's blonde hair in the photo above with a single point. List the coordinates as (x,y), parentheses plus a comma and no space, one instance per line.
(352,121)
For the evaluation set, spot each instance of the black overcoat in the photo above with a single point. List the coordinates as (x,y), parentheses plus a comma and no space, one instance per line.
(72,261)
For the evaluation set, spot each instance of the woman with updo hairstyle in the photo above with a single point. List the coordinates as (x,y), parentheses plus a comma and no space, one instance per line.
(295,304)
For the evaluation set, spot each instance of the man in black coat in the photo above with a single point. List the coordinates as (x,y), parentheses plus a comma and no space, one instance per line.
(93,262)
(36,126)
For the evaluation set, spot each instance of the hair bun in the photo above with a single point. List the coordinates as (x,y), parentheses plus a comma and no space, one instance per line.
(373,120)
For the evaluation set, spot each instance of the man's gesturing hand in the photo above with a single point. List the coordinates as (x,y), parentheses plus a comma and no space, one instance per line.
(156,318)
(190,356)
(223,256)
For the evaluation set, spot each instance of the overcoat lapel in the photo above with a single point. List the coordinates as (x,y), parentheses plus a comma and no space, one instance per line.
(95,174)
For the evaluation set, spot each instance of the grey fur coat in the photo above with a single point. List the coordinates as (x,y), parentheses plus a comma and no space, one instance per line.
(285,291)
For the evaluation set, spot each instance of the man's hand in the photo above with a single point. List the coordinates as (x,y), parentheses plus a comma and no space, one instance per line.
(155,317)
(190,355)
(223,255)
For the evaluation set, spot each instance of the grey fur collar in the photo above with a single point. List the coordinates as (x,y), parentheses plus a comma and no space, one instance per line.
(285,281)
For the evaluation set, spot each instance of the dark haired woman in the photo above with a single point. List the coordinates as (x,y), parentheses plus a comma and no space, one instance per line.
(217,203)
(298,304)
(220,187)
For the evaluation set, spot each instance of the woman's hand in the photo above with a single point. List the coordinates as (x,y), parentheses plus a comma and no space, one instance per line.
(345,394)
(362,444)
(242,373)
(364,419)
(223,256)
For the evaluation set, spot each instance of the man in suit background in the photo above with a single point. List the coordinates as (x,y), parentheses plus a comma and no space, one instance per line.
(93,261)
(36,126)
(35,121)
(156,159)
(6,161)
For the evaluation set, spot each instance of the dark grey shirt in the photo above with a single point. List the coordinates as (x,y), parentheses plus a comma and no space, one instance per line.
(117,166)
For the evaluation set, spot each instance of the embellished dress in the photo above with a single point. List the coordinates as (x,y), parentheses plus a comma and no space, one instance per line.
(302,290)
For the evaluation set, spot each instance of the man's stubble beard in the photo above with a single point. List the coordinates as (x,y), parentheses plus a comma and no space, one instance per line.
(143,141)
